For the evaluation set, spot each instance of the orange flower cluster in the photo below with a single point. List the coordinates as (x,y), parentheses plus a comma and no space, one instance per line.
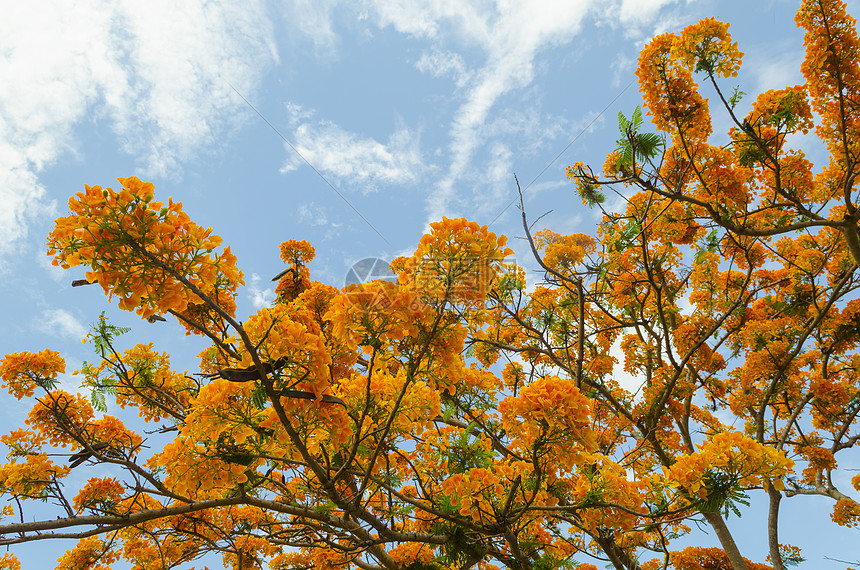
(846,512)
(707,46)
(218,444)
(745,461)
(458,261)
(564,253)
(551,409)
(670,94)
(723,182)
(99,494)
(111,430)
(296,278)
(91,553)
(699,558)
(281,335)
(380,311)
(150,255)
(479,493)
(411,553)
(23,371)
(665,73)
(419,403)
(31,478)
(143,379)
(58,417)
(196,472)
(785,110)
(832,71)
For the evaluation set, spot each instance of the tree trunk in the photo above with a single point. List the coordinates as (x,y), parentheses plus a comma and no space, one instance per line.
(773,527)
(728,543)
(617,556)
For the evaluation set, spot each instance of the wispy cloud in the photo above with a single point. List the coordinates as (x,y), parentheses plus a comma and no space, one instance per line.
(155,72)
(639,19)
(489,49)
(312,214)
(261,296)
(775,68)
(510,34)
(355,161)
(312,20)
(444,63)
(60,323)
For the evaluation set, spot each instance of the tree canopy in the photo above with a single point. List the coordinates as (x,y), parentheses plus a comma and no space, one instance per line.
(460,417)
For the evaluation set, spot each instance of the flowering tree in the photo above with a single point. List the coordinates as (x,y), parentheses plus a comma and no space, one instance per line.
(456,419)
(730,276)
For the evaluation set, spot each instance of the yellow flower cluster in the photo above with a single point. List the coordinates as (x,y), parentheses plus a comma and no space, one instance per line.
(731,453)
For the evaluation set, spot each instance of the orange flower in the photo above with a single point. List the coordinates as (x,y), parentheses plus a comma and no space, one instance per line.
(60,417)
(458,260)
(23,371)
(151,255)
(101,494)
(90,554)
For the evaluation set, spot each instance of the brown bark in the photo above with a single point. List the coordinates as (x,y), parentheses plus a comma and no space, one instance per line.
(773,527)
(726,540)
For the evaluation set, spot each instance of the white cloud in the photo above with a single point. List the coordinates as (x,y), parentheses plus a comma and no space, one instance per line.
(312,214)
(56,273)
(22,198)
(443,63)
(354,160)
(532,130)
(640,18)
(426,19)
(510,33)
(313,19)
(774,69)
(154,71)
(61,323)
(297,113)
(260,296)
(489,48)
(497,179)
(635,14)
(182,55)
(500,163)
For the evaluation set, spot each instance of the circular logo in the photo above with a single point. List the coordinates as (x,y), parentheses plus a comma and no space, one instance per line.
(369,269)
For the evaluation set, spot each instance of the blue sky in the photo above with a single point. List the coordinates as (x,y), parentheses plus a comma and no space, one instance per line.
(408,111)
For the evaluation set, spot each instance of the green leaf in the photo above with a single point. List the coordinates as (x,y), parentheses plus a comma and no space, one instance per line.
(97,398)
(709,243)
(634,145)
(629,232)
(589,193)
(736,97)
(259,396)
(103,333)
